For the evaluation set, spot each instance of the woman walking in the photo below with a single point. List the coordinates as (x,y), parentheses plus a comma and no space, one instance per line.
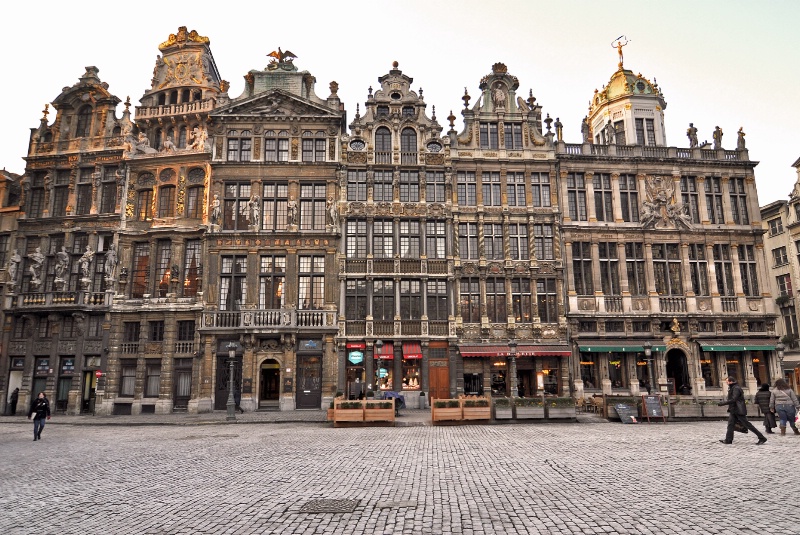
(762,400)
(783,402)
(40,409)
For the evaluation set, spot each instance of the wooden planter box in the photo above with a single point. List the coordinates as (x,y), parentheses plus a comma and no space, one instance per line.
(477,413)
(445,413)
(330,415)
(348,415)
(502,413)
(530,413)
(374,414)
(561,412)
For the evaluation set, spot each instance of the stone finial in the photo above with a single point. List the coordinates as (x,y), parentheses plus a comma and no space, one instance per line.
(466,98)
(395,64)
(452,119)
(45,112)
(531,98)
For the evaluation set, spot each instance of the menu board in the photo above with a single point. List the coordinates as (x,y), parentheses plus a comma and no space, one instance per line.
(653,407)
(627,414)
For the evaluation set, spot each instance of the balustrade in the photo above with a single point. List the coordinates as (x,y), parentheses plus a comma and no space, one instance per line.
(672,304)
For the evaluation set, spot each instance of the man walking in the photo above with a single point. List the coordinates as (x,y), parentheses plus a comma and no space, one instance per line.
(41,408)
(737,412)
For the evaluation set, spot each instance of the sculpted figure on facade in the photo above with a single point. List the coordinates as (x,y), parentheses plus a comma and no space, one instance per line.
(254,210)
(585,130)
(660,209)
(198,137)
(499,97)
(35,269)
(740,139)
(333,212)
(13,268)
(291,212)
(169,146)
(85,261)
(62,264)
(559,130)
(216,212)
(691,133)
(717,137)
(111,261)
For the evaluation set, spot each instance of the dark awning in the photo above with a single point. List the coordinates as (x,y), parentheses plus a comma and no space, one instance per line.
(618,346)
(737,345)
(527,350)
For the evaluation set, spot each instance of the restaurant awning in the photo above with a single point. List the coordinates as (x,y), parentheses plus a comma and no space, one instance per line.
(412,350)
(737,345)
(385,352)
(522,351)
(618,346)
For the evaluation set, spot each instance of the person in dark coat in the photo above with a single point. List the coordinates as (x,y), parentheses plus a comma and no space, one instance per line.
(762,400)
(737,412)
(12,405)
(41,409)
(237,399)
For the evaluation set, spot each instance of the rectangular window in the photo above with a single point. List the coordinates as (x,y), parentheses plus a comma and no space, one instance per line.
(634,262)
(383,238)
(470,300)
(518,241)
(435,239)
(689,197)
(713,187)
(724,268)
(466,188)
(152,380)
(272,282)
(739,201)
(194,202)
(191,268)
(127,381)
(651,131)
(312,207)
(356,238)
(355,300)
(582,268)
(382,190)
(274,208)
(437,300)
(779,256)
(130,332)
(35,201)
(784,285)
(468,241)
(540,189)
(410,300)
(543,241)
(775,226)
(276,148)
(667,269)
(434,186)
(357,185)
(60,193)
(513,136)
(233,282)
(140,270)
(488,135)
(156,331)
(748,270)
(496,299)
(4,241)
(698,266)
(521,302)
(409,186)
(619,132)
(163,271)
(383,300)
(311,282)
(515,189)
(409,239)
(108,191)
(144,205)
(186,329)
(493,240)
(490,188)
(83,191)
(166,201)
(629,198)
(235,206)
(576,196)
(603,206)
(609,268)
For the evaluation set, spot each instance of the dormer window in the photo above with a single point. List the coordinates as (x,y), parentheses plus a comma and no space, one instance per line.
(396,96)
(488,135)
(408,111)
(645,132)
(382,111)
(84,122)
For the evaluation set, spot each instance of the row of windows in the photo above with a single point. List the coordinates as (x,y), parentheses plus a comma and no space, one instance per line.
(243,207)
(152,377)
(272,282)
(408,189)
(166,206)
(68,326)
(131,331)
(667,268)
(645,133)
(58,261)
(59,202)
(168,273)
(491,188)
(276,146)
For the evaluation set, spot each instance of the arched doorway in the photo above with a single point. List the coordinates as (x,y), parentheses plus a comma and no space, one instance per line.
(678,373)
(269,385)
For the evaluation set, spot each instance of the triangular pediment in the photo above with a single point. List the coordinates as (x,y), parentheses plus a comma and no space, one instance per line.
(275,103)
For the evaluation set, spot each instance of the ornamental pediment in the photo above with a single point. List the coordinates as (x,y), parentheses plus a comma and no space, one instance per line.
(275,103)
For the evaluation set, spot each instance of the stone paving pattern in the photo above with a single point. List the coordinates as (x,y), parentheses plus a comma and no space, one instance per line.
(190,475)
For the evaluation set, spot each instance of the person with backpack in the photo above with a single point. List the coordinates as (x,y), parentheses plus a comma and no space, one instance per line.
(783,402)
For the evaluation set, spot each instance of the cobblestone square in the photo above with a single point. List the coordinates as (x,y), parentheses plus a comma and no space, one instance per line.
(247,477)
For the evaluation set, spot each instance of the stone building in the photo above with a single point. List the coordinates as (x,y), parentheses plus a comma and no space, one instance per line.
(509,273)
(664,249)
(395,262)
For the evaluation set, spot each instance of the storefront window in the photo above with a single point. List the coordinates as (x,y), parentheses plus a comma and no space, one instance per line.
(709,370)
(411,374)
(616,370)
(589,374)
(473,384)
(498,379)
(760,367)
(385,375)
(355,373)
(733,365)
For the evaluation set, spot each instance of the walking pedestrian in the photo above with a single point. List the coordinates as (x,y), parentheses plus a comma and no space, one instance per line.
(783,402)
(237,399)
(762,400)
(737,412)
(41,408)
(12,402)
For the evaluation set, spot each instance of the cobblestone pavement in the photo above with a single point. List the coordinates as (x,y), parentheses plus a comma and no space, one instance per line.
(592,477)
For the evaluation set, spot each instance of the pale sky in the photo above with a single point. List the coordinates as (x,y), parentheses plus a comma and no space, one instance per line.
(725,63)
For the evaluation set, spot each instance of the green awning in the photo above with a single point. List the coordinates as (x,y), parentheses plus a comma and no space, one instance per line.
(731,347)
(601,348)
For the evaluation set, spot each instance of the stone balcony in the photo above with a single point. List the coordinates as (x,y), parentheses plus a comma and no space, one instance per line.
(57,300)
(642,151)
(269,320)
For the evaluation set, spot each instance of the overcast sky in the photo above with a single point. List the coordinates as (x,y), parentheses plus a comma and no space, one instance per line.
(729,63)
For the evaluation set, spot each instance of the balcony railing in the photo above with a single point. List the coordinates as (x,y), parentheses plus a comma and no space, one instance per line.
(198,106)
(269,319)
(438,328)
(129,348)
(647,151)
(672,304)
(184,348)
(729,304)
(383,157)
(613,303)
(62,299)
(408,158)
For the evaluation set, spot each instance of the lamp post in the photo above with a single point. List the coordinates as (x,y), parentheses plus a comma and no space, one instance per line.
(780,349)
(231,405)
(648,357)
(378,346)
(512,368)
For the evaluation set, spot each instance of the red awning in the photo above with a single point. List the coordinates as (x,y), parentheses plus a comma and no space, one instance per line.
(522,351)
(356,345)
(412,350)
(386,351)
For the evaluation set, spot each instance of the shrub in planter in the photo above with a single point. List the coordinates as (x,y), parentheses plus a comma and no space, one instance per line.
(350,405)
(528,402)
(370,394)
(561,403)
(480,402)
(502,403)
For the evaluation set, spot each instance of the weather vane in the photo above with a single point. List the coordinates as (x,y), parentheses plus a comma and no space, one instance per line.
(618,43)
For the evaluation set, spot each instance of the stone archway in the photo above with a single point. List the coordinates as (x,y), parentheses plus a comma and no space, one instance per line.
(269,384)
(677,370)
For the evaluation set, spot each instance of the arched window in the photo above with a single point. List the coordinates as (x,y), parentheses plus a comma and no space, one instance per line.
(383,145)
(84,122)
(185,95)
(162,99)
(157,139)
(408,146)
(173,97)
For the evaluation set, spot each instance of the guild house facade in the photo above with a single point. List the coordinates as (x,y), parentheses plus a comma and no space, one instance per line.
(147,257)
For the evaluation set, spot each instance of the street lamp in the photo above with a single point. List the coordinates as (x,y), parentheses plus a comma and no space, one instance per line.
(512,368)
(378,346)
(231,405)
(648,357)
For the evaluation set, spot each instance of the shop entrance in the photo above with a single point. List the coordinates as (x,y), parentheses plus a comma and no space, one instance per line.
(223,374)
(269,384)
(439,376)
(678,373)
(14,381)
(309,381)
(88,391)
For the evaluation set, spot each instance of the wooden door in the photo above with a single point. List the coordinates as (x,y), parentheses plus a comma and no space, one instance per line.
(439,381)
